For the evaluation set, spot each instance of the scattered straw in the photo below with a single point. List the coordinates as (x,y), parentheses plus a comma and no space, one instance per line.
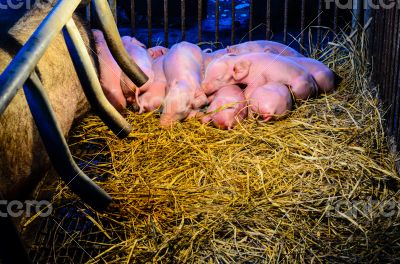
(319,185)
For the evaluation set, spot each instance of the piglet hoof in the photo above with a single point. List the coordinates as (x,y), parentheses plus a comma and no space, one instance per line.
(166,122)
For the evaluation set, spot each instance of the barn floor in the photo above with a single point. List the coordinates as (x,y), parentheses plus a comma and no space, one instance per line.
(318,186)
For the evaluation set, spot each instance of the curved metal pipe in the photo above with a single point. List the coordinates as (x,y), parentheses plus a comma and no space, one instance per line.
(57,147)
(114,42)
(90,82)
(19,69)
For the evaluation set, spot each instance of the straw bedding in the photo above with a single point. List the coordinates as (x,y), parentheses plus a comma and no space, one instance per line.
(293,190)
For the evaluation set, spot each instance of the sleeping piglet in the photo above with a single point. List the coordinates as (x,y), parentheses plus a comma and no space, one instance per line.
(257,69)
(153,98)
(210,56)
(157,51)
(263,46)
(325,78)
(109,72)
(183,70)
(270,101)
(227,108)
(138,53)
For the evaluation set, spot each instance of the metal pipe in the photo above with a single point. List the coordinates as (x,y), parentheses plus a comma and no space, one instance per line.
(285,21)
(149,24)
(199,20)
(233,11)
(396,80)
(357,6)
(319,23)
(268,20)
(90,83)
(113,7)
(335,18)
(217,21)
(166,41)
(183,19)
(389,67)
(133,17)
(114,42)
(393,68)
(251,13)
(302,24)
(57,147)
(88,13)
(19,69)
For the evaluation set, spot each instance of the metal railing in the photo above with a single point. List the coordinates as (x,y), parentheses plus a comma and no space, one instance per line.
(385,53)
(21,73)
(321,13)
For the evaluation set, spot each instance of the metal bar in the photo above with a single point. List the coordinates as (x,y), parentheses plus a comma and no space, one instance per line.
(166,23)
(113,7)
(376,44)
(19,69)
(88,13)
(357,6)
(149,25)
(320,3)
(380,48)
(394,69)
(302,24)
(90,83)
(57,147)
(268,20)
(233,11)
(335,18)
(251,13)
(183,19)
(390,67)
(199,20)
(386,58)
(396,80)
(133,17)
(217,21)
(114,42)
(285,21)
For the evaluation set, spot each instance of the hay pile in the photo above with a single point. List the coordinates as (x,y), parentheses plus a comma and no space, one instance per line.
(295,190)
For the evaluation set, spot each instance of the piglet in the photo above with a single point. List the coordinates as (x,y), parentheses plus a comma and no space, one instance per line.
(157,51)
(257,69)
(138,53)
(325,78)
(227,108)
(263,46)
(270,101)
(213,55)
(153,98)
(110,73)
(183,70)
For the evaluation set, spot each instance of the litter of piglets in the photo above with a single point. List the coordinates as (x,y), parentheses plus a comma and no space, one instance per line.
(257,78)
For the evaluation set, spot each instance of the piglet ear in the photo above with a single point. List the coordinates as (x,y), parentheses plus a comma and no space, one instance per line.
(164,50)
(231,50)
(137,42)
(151,53)
(270,50)
(241,70)
(126,40)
